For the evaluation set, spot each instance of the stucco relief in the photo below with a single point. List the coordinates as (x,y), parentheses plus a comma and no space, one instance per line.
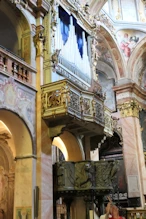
(19,99)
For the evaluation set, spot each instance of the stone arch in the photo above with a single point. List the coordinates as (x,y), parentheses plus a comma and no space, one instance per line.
(119,64)
(70,146)
(21,144)
(18,153)
(7,164)
(14,23)
(133,67)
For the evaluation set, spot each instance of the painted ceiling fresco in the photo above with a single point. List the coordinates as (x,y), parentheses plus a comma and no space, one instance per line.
(128,40)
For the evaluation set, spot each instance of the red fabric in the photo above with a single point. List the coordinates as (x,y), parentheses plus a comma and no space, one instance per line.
(120,217)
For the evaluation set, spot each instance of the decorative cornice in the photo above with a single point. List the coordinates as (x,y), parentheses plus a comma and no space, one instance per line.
(131,87)
(129,109)
(134,92)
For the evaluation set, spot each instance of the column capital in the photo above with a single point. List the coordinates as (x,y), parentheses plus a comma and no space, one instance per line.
(130,108)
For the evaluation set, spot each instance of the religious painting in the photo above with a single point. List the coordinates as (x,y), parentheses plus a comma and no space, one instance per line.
(128,39)
(23,213)
(104,53)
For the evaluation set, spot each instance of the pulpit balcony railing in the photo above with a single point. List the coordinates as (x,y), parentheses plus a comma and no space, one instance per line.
(62,99)
(14,66)
(84,177)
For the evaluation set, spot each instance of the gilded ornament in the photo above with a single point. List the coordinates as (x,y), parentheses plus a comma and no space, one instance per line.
(130,108)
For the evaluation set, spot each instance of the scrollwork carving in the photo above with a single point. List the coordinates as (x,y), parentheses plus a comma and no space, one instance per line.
(74,101)
(54,99)
(85,105)
(97,110)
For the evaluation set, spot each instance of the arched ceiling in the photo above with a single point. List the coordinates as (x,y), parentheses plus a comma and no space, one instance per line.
(115,52)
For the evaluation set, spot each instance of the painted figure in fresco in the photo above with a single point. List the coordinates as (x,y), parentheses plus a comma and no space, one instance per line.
(128,43)
(124,45)
(24,214)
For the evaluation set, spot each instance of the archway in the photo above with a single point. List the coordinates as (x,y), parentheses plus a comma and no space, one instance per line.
(13,23)
(15,163)
(69,146)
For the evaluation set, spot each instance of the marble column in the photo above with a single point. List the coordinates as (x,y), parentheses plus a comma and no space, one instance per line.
(132,148)
(44,144)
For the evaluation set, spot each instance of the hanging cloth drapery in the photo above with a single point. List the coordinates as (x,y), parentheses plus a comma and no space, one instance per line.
(79,35)
(64,24)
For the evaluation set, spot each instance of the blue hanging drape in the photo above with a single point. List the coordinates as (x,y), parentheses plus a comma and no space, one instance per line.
(79,35)
(64,24)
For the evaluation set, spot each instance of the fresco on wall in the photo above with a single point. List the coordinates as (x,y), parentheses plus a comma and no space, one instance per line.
(142,118)
(107,85)
(127,40)
(23,213)
(19,99)
(104,53)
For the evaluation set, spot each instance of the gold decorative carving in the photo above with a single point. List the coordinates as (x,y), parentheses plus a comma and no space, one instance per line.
(65,99)
(130,108)
(39,40)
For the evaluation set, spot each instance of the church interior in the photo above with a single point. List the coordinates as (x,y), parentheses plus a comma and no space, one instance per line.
(72,108)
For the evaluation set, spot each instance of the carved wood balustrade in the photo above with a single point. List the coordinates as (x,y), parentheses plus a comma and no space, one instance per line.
(14,66)
(63,100)
(84,177)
